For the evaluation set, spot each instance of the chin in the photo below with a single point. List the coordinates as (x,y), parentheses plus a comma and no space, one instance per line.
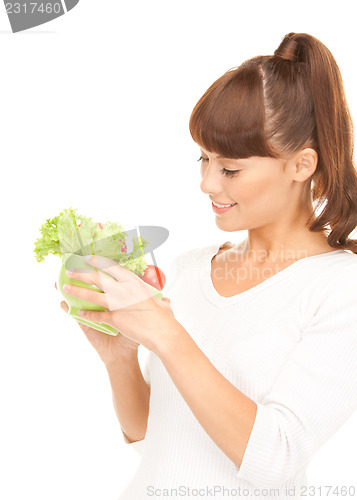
(228,226)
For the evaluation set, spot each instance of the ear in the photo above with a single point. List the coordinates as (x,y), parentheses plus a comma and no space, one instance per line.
(305,164)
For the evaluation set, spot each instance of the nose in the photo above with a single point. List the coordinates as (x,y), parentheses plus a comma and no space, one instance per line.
(211,178)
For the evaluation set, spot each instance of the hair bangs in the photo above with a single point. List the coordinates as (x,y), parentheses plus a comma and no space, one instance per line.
(229,117)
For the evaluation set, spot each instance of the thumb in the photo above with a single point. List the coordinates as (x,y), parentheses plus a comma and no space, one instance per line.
(166,299)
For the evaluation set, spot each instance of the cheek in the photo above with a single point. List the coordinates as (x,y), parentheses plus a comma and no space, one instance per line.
(261,192)
(253,188)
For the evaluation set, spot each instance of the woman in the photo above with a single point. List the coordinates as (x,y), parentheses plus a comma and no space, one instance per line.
(253,368)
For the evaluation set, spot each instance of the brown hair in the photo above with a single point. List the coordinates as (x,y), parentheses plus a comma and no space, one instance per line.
(273,106)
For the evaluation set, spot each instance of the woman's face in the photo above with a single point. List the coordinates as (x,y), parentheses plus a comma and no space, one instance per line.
(260,188)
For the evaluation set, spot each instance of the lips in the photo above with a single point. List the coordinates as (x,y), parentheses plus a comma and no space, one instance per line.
(222,210)
(224,204)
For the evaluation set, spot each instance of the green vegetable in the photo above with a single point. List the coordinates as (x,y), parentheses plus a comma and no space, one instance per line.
(70,232)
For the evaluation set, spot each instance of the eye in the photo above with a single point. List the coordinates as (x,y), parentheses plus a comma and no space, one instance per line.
(224,171)
(229,173)
(202,159)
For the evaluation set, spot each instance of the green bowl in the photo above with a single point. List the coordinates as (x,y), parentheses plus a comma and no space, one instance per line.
(73,261)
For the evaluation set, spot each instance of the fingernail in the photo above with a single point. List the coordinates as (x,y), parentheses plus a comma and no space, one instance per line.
(81,312)
(69,273)
(66,288)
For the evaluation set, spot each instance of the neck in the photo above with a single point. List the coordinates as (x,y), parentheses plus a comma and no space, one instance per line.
(286,241)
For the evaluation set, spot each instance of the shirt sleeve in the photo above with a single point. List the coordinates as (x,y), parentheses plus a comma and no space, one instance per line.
(138,446)
(313,395)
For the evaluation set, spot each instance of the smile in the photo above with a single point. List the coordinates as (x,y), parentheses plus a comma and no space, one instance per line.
(223,206)
(220,209)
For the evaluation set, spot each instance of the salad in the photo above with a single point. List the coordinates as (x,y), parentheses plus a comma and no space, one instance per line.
(71,236)
(73,233)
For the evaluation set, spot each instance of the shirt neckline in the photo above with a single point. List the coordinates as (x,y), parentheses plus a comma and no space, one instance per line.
(215,298)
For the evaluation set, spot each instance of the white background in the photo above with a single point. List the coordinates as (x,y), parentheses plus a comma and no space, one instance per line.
(94,114)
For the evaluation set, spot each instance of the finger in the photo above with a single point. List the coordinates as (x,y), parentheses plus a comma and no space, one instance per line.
(97,316)
(112,267)
(98,278)
(64,306)
(86,294)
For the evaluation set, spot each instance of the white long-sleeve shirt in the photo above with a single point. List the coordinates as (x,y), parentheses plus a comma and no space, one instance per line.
(289,343)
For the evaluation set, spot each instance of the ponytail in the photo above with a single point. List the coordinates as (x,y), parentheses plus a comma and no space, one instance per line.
(335,178)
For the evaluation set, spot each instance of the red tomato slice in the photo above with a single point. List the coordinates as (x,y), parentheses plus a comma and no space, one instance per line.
(154,277)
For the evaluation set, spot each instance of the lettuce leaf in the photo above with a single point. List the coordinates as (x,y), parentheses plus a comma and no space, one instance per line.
(135,260)
(71,232)
(71,237)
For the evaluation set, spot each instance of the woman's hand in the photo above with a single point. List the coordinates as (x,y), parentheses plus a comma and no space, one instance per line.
(132,307)
(111,349)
